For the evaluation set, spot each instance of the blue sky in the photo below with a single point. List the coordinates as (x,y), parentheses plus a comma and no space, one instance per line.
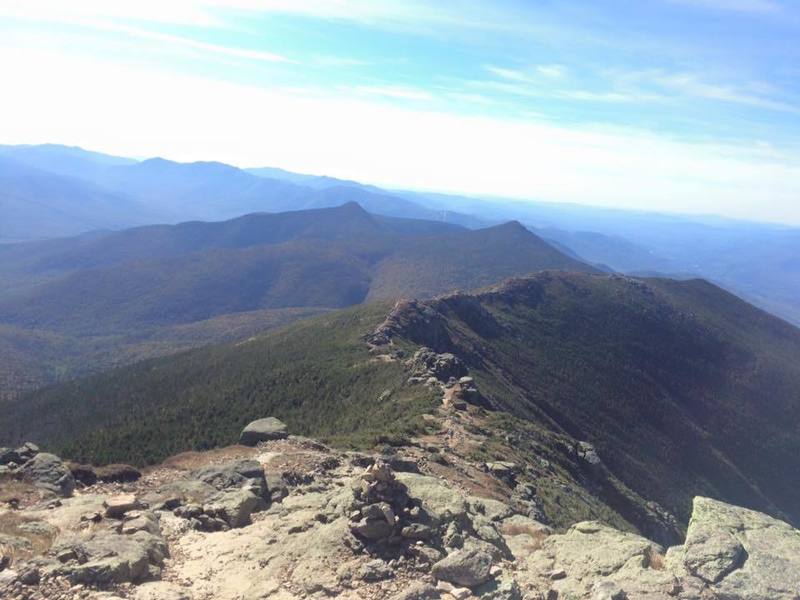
(670,105)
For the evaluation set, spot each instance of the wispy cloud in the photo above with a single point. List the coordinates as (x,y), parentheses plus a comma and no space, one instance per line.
(396,92)
(229,51)
(508,74)
(184,12)
(109,25)
(552,71)
(340,61)
(743,6)
(548,81)
(694,86)
(531,75)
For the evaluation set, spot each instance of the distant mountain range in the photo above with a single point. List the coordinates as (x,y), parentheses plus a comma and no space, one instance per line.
(116,292)
(52,191)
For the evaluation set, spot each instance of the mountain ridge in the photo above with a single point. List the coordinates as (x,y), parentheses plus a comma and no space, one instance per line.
(661,379)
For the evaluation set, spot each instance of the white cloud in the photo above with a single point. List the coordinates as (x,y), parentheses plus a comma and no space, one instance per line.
(132,111)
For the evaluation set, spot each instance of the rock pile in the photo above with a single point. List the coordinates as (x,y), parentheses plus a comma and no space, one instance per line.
(382,510)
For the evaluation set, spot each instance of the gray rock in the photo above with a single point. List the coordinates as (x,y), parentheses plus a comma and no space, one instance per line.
(587,453)
(26,452)
(571,564)
(741,553)
(236,474)
(417,531)
(179,492)
(437,498)
(375,570)
(278,489)
(464,567)
(372,530)
(426,363)
(48,472)
(608,590)
(108,559)
(417,591)
(117,506)
(140,521)
(499,589)
(234,507)
(263,430)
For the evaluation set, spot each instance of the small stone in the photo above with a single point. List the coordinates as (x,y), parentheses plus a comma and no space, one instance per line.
(466,568)
(375,570)
(417,531)
(607,590)
(117,506)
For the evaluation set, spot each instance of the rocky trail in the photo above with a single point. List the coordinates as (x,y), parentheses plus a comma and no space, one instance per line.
(291,518)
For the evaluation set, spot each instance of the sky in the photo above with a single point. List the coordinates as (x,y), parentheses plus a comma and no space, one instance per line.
(689,106)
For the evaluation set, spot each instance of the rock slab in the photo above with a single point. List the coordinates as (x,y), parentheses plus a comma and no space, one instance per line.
(263,430)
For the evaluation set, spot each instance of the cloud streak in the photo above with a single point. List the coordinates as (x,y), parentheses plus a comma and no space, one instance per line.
(741,6)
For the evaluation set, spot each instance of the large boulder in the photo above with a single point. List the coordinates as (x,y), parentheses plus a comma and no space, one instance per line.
(263,430)
(592,560)
(113,558)
(740,553)
(464,568)
(49,472)
(234,507)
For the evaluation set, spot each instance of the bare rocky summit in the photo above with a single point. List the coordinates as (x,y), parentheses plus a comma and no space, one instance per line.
(292,518)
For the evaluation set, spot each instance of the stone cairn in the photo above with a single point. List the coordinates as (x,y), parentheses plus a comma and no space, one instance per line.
(383,514)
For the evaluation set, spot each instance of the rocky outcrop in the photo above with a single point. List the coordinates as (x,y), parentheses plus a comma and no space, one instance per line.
(48,472)
(16,457)
(263,430)
(591,561)
(740,553)
(426,364)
